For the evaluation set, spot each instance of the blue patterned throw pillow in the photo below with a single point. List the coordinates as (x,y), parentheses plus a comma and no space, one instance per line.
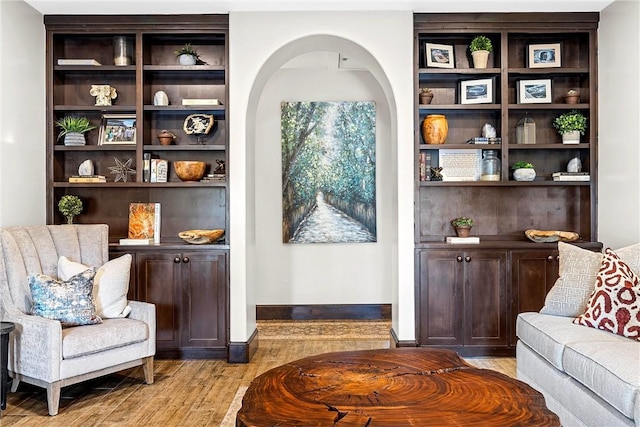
(70,301)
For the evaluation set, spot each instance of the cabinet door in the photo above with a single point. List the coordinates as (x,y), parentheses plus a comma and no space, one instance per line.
(204,293)
(533,273)
(485,298)
(440,296)
(158,276)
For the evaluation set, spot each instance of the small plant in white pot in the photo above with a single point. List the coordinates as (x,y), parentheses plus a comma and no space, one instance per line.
(570,125)
(73,129)
(480,48)
(523,171)
(187,55)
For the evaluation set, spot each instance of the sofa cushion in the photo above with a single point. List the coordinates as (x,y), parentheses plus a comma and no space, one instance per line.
(112,333)
(614,305)
(577,277)
(70,301)
(631,256)
(610,371)
(110,285)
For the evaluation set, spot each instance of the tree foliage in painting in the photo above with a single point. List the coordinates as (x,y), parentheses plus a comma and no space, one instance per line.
(328,148)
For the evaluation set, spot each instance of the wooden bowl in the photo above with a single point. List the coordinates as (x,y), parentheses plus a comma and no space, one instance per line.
(189,170)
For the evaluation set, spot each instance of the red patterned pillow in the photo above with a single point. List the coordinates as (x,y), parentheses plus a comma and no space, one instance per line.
(614,305)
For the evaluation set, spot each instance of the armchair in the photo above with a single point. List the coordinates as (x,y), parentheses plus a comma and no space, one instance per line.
(43,353)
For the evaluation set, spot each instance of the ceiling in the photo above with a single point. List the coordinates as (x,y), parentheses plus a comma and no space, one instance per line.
(65,7)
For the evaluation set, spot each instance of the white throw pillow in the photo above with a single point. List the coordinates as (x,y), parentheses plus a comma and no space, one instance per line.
(631,256)
(578,270)
(110,284)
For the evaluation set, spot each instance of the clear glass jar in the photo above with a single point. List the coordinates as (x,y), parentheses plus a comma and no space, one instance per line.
(490,167)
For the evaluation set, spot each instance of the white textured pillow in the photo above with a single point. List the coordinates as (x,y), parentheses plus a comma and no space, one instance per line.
(110,284)
(631,256)
(578,270)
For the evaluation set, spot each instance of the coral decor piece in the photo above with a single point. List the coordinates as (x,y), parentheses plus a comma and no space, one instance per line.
(200,237)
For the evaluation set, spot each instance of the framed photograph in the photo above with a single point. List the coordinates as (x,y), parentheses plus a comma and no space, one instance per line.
(439,55)
(534,91)
(544,55)
(476,91)
(117,129)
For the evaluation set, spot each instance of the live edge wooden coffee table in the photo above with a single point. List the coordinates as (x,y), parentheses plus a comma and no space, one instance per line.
(390,387)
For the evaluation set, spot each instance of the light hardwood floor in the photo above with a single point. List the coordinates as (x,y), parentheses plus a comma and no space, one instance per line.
(185,392)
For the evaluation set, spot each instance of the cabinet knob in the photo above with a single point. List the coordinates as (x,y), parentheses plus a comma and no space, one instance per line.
(176,260)
(550,258)
(185,259)
(459,258)
(467,259)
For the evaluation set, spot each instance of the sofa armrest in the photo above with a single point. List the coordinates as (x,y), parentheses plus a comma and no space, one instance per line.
(36,347)
(145,312)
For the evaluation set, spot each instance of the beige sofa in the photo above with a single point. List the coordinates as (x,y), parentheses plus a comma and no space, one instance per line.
(43,353)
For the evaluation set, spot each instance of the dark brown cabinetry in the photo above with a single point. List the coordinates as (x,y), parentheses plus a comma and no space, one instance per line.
(472,306)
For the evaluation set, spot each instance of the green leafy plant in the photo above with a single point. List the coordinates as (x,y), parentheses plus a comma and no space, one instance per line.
(571,121)
(425,90)
(522,165)
(572,92)
(481,43)
(70,206)
(74,124)
(187,49)
(462,222)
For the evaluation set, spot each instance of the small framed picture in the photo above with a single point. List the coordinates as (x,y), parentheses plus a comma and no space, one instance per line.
(534,91)
(476,91)
(544,55)
(117,129)
(439,55)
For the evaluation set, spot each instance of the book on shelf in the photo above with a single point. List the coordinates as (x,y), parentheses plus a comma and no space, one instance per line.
(136,242)
(146,167)
(424,160)
(485,140)
(570,173)
(159,170)
(460,165)
(201,101)
(463,240)
(144,221)
(572,178)
(87,178)
(78,62)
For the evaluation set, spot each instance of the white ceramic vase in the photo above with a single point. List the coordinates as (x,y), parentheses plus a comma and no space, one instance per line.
(480,58)
(572,137)
(74,138)
(524,174)
(187,59)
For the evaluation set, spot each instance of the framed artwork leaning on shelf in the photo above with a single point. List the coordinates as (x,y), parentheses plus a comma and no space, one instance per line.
(544,55)
(117,129)
(439,55)
(476,91)
(534,91)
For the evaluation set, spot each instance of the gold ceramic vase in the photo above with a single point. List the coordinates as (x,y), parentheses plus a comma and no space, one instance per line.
(435,129)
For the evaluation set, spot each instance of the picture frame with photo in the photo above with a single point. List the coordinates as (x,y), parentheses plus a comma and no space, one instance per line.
(117,129)
(439,55)
(544,55)
(534,91)
(479,91)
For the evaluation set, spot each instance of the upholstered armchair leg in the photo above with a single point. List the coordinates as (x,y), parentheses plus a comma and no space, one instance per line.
(53,397)
(14,385)
(147,367)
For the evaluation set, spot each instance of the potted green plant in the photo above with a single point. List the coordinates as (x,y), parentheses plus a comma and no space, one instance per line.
(187,55)
(523,171)
(480,48)
(463,226)
(73,129)
(426,95)
(570,125)
(70,206)
(572,96)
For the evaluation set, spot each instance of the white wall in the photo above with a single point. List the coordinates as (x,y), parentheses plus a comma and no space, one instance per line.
(358,273)
(255,40)
(22,115)
(619,119)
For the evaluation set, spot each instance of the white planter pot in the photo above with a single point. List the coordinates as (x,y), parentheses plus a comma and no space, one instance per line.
(187,60)
(74,138)
(524,174)
(572,137)
(480,58)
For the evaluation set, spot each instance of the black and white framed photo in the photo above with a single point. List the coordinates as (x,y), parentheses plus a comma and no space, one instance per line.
(534,91)
(544,55)
(439,55)
(117,129)
(476,91)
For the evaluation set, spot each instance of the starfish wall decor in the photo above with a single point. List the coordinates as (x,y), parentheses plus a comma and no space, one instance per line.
(122,170)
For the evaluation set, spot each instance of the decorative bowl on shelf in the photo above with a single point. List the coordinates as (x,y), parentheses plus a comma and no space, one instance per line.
(189,170)
(201,237)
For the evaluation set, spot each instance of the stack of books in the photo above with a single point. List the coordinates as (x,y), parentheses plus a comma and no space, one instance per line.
(474,240)
(87,178)
(571,176)
(201,101)
(425,166)
(485,140)
(215,177)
